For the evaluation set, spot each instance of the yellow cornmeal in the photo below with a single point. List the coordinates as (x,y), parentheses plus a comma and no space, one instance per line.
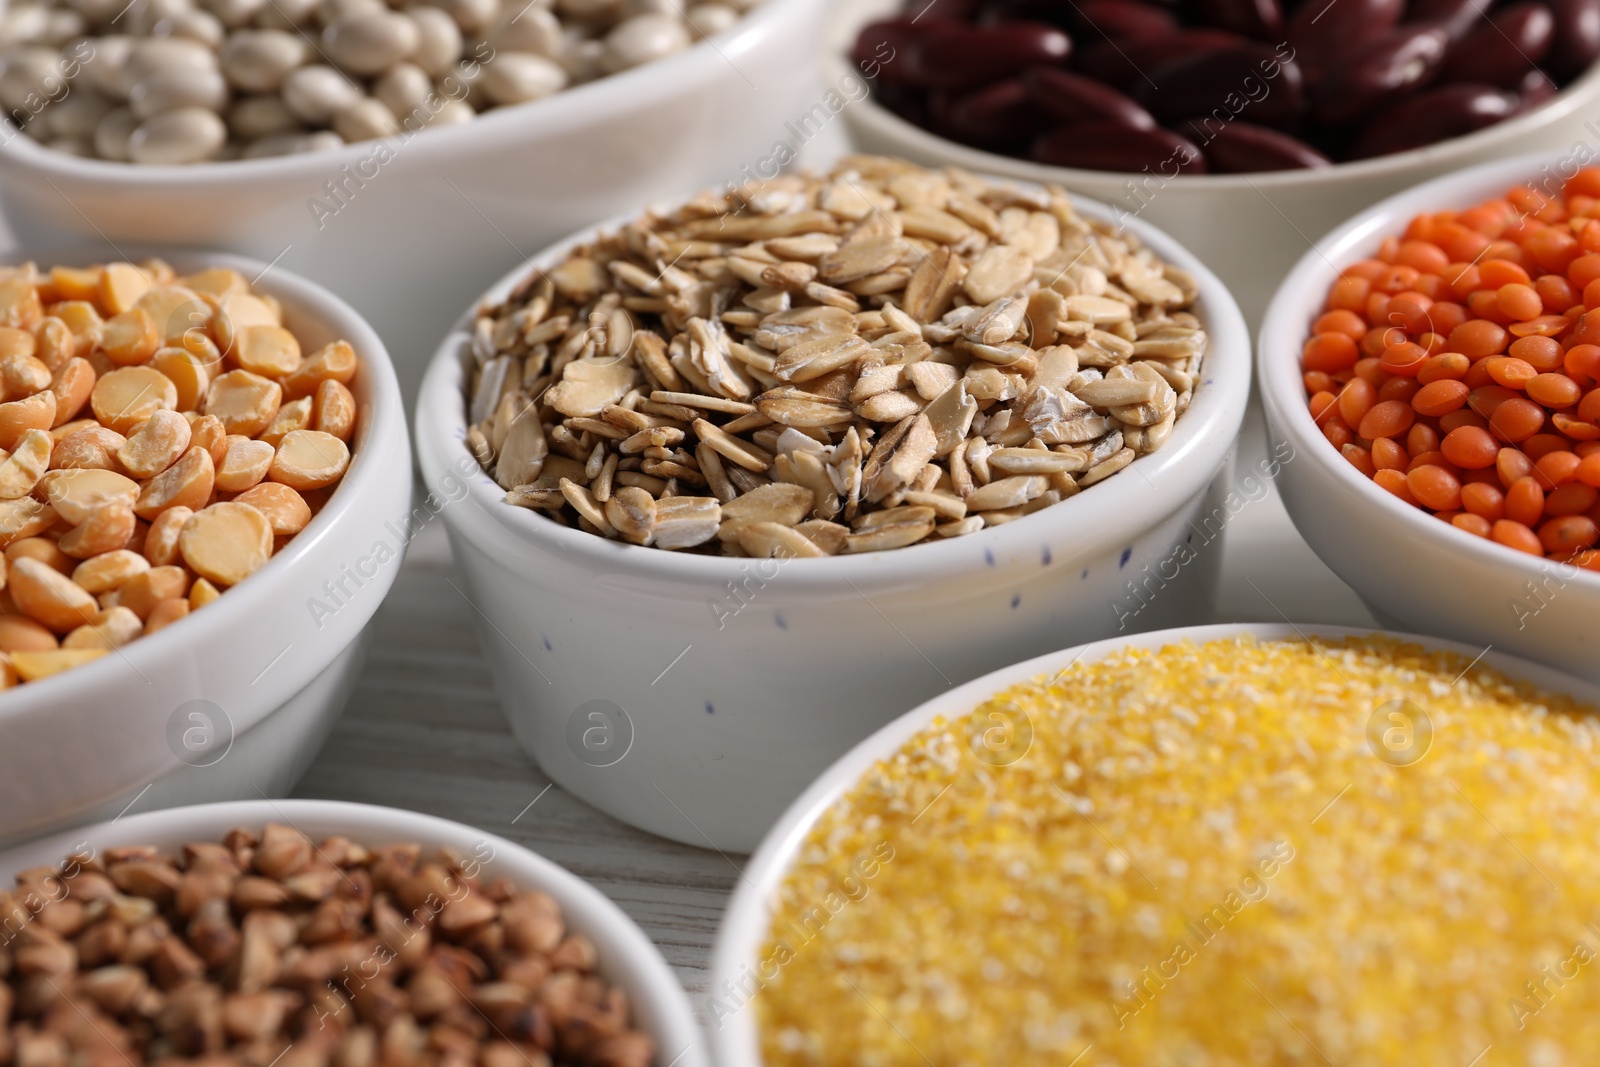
(1201,861)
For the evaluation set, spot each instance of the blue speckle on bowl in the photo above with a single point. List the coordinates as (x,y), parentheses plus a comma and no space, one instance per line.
(547,646)
(988,557)
(1189,540)
(1016,601)
(779,619)
(1044,555)
(1084,575)
(709,709)
(1127,554)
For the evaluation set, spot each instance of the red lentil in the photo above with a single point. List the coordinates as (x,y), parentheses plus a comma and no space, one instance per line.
(1459,368)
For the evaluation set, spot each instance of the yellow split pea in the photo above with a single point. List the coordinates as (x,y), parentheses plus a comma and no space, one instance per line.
(1355,852)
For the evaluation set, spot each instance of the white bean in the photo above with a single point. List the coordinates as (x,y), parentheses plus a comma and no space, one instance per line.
(258,116)
(331,11)
(365,120)
(186,135)
(473,16)
(285,14)
(162,55)
(517,77)
(403,89)
(584,60)
(62,26)
(534,30)
(199,26)
(642,39)
(314,93)
(452,113)
(78,114)
(439,40)
(111,136)
(178,88)
(30,71)
(235,13)
(708,20)
(25,25)
(258,60)
(371,44)
(97,10)
(104,73)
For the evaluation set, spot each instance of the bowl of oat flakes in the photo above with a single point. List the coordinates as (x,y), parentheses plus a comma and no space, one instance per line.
(763,468)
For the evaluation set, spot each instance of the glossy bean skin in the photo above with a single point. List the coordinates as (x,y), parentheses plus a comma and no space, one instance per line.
(1577,37)
(1533,89)
(1110,146)
(1070,98)
(1244,148)
(1126,65)
(1225,81)
(1261,19)
(968,56)
(1458,17)
(1445,111)
(1323,32)
(1502,51)
(998,115)
(1402,60)
(890,37)
(1121,20)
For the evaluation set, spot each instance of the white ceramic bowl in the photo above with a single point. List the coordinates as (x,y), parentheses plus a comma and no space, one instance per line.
(735,1037)
(1412,570)
(267,669)
(414,237)
(1250,228)
(627,957)
(741,679)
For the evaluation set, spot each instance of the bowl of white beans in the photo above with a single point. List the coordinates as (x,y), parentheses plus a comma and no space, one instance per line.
(404,154)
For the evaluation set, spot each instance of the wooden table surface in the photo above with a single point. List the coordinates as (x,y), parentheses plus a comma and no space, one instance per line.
(424,731)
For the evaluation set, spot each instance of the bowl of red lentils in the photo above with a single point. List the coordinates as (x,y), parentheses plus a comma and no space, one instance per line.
(1433,361)
(1213,844)
(1245,131)
(205,494)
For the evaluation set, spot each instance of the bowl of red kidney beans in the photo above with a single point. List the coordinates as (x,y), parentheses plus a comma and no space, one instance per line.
(1221,86)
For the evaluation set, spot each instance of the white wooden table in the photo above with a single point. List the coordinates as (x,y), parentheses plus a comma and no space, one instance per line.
(424,730)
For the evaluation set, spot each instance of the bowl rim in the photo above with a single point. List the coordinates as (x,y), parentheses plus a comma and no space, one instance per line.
(577,106)
(383,432)
(1579,92)
(1181,469)
(745,921)
(1286,325)
(628,956)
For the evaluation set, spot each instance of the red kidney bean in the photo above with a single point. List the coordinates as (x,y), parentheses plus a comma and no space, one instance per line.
(1325,33)
(1577,42)
(951,57)
(1072,98)
(1458,17)
(1110,146)
(1262,19)
(1500,52)
(1225,82)
(1403,59)
(1533,89)
(1446,111)
(891,37)
(1243,147)
(1121,20)
(1125,65)
(997,114)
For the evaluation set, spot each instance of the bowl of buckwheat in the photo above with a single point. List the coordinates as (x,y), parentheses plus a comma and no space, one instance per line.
(316,932)
(761,469)
(370,145)
(204,497)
